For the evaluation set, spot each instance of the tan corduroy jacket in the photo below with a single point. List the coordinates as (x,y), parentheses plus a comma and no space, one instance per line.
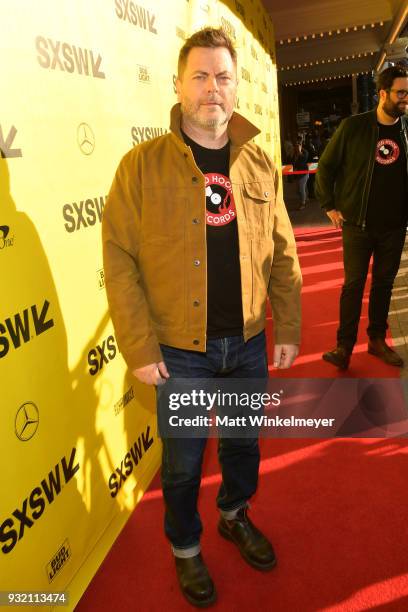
(154,245)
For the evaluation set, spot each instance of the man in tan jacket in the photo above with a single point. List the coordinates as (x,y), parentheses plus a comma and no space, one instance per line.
(196,238)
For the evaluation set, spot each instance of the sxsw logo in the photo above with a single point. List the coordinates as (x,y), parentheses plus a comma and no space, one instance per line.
(85,213)
(240,9)
(245,74)
(103,353)
(6,240)
(68,58)
(6,142)
(228,28)
(15,526)
(136,15)
(180,33)
(20,328)
(129,461)
(254,53)
(143,74)
(140,134)
(261,38)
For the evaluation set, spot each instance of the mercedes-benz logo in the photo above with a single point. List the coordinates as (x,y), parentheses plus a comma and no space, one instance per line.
(27,421)
(85,138)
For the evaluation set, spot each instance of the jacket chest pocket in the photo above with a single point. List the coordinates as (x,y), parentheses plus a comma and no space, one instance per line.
(163,215)
(259,201)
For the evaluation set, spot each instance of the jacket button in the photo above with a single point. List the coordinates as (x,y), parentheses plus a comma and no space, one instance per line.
(266,193)
(197,262)
(194,179)
(195,341)
(196,221)
(196,303)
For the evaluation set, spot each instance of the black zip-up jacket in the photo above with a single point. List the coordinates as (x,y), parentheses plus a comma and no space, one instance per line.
(345,170)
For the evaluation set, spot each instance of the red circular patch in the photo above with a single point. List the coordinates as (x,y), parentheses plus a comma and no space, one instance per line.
(219,200)
(387,151)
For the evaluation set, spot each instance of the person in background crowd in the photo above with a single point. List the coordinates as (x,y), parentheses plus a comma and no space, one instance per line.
(325,141)
(288,150)
(362,184)
(313,157)
(316,141)
(300,163)
(189,263)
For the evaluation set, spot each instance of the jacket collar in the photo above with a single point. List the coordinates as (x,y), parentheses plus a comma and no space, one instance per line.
(373,113)
(240,130)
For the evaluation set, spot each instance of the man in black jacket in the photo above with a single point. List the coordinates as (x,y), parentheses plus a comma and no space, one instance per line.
(362,184)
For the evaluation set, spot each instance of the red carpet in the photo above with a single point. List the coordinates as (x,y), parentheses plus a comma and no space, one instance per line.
(334,509)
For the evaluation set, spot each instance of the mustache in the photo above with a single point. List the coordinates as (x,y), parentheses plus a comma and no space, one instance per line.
(212,100)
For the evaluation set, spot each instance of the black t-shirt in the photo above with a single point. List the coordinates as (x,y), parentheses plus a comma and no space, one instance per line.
(388,199)
(300,162)
(224,301)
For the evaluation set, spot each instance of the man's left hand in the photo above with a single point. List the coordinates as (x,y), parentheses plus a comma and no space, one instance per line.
(284,355)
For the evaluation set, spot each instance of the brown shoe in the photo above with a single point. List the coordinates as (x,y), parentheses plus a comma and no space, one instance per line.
(252,544)
(379,348)
(195,581)
(339,357)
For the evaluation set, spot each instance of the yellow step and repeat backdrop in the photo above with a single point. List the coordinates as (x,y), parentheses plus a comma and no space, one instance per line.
(81,83)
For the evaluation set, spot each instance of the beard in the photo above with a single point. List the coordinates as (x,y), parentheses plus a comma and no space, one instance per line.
(192,112)
(393,109)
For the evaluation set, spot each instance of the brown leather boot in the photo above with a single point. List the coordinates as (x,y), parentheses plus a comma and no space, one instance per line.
(252,544)
(339,357)
(195,581)
(379,348)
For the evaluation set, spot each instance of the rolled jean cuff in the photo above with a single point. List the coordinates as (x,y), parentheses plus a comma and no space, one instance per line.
(230,515)
(186,553)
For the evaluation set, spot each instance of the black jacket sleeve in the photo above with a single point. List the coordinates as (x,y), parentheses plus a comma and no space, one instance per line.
(329,164)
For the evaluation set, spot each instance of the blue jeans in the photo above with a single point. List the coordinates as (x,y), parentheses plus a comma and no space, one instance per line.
(182,458)
(303,178)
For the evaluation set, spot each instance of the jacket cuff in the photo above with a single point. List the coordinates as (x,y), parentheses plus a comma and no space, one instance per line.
(287,336)
(139,357)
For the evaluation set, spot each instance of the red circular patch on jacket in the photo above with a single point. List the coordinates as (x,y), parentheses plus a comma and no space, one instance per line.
(219,200)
